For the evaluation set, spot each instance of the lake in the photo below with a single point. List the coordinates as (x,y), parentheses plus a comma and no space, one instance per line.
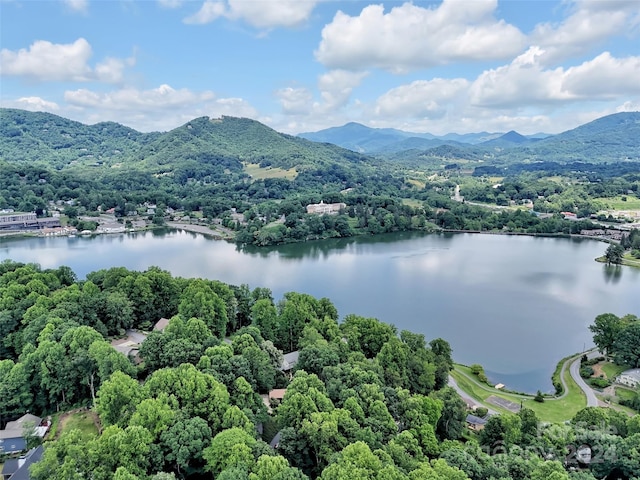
(514,304)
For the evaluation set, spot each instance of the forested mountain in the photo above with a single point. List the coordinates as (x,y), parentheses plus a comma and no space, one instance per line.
(50,140)
(608,139)
(56,141)
(360,138)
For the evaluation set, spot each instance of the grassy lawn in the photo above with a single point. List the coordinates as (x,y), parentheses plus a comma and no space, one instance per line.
(551,410)
(624,393)
(259,173)
(557,411)
(83,421)
(412,202)
(616,203)
(611,370)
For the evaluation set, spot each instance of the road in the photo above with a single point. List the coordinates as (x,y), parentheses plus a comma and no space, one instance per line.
(465,396)
(574,370)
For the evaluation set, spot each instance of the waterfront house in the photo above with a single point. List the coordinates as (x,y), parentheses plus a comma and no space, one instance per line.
(475,423)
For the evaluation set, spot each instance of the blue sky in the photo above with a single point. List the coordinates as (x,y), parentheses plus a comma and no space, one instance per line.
(303,65)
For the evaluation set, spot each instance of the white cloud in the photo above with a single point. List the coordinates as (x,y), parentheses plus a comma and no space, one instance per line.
(209,12)
(45,61)
(336,86)
(412,37)
(422,98)
(258,13)
(161,108)
(33,104)
(295,101)
(81,6)
(48,61)
(525,81)
(604,77)
(589,23)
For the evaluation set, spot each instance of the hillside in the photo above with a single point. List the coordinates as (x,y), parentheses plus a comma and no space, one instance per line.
(45,137)
(51,140)
(241,140)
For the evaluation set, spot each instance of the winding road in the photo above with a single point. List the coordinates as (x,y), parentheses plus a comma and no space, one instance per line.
(574,370)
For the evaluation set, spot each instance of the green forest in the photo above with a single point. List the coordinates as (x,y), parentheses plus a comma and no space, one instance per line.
(257,182)
(364,401)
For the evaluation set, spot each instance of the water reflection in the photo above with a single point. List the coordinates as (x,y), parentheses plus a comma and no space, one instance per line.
(514,304)
(612,273)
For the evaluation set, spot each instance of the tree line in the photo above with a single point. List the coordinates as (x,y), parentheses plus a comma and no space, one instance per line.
(364,400)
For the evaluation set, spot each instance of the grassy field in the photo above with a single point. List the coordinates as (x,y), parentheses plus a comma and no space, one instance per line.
(551,410)
(616,203)
(628,260)
(611,370)
(83,421)
(412,202)
(259,173)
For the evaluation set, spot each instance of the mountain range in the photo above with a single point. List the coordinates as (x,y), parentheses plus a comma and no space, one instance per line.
(44,138)
(614,137)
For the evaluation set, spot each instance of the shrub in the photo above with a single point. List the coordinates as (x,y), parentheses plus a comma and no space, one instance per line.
(586,372)
(481,412)
(476,369)
(483,378)
(599,382)
(539,397)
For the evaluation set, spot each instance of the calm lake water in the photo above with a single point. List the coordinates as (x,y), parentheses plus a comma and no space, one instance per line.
(514,304)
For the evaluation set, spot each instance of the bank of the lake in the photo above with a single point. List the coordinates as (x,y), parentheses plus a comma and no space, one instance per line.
(515,304)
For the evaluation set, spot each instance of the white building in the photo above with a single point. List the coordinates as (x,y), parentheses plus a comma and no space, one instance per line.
(630,378)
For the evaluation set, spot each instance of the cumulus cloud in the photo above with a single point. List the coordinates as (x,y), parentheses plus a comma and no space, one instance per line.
(422,98)
(46,61)
(258,13)
(34,104)
(588,24)
(336,86)
(411,37)
(81,6)
(295,101)
(525,81)
(160,108)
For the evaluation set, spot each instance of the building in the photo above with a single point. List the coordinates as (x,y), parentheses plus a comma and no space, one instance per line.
(18,468)
(325,208)
(161,324)
(289,360)
(630,378)
(475,423)
(26,221)
(13,439)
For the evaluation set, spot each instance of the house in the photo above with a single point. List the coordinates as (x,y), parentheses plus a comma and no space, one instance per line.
(475,423)
(328,208)
(630,378)
(161,324)
(289,361)
(275,394)
(18,468)
(13,438)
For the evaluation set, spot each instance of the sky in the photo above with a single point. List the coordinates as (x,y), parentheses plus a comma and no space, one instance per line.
(304,65)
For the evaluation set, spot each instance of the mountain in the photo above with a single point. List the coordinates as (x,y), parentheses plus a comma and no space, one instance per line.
(53,140)
(360,138)
(32,136)
(611,138)
(508,140)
